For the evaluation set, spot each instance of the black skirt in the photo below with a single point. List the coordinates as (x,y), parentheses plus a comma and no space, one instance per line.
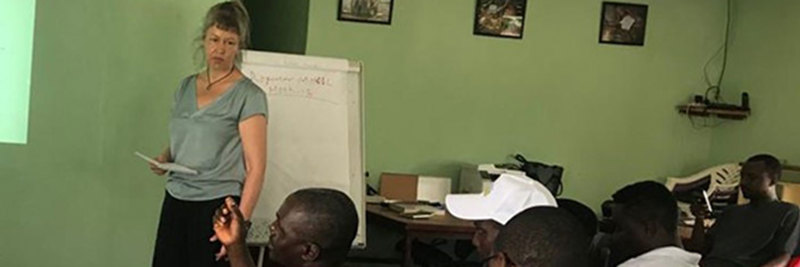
(183,236)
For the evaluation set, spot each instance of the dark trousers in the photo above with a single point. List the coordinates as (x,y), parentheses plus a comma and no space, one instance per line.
(183,233)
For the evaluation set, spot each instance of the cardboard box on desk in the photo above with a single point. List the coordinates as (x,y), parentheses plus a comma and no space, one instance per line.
(410,187)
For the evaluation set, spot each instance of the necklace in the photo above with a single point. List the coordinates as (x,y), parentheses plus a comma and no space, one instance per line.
(208,78)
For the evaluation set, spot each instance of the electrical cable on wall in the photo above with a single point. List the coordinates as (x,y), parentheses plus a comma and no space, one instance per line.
(716,88)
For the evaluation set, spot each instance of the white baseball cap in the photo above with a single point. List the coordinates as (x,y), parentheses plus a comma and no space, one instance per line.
(509,195)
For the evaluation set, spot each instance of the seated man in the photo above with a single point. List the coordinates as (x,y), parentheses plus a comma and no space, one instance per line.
(509,195)
(583,213)
(753,234)
(645,216)
(314,227)
(541,237)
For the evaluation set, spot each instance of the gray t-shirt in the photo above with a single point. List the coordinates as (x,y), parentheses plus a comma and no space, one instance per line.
(208,140)
(753,234)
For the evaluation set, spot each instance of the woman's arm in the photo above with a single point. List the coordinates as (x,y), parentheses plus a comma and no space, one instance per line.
(253,132)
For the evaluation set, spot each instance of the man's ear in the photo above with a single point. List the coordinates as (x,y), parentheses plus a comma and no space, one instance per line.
(772,180)
(311,252)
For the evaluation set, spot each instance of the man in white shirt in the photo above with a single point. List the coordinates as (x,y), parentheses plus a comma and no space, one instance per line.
(645,216)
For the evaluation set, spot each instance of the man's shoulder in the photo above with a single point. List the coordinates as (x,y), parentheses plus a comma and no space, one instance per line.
(790,210)
(733,211)
(784,207)
(775,205)
(788,206)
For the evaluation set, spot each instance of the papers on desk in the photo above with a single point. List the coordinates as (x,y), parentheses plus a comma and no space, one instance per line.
(167,166)
(418,215)
(416,210)
(375,199)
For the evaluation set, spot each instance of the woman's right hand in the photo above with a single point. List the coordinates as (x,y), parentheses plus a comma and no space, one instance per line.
(155,169)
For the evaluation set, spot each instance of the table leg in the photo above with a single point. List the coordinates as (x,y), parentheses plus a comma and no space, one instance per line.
(407,260)
(261,253)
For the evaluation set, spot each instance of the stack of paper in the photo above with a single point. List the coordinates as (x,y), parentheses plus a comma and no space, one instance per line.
(415,208)
(168,166)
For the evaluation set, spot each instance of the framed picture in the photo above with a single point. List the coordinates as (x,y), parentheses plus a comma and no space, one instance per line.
(500,18)
(623,23)
(371,11)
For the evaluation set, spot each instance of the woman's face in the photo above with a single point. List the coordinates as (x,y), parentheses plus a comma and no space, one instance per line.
(221,48)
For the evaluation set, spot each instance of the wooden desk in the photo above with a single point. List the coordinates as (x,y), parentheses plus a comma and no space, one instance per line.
(437,227)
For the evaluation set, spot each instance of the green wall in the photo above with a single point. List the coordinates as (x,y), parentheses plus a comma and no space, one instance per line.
(438,96)
(765,58)
(102,81)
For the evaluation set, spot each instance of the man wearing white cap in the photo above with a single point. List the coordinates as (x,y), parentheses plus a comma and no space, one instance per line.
(490,212)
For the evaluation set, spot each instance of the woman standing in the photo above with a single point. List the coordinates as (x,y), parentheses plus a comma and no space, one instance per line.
(218,127)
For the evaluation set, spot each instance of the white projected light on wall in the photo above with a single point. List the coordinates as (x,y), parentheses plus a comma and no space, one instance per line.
(16,53)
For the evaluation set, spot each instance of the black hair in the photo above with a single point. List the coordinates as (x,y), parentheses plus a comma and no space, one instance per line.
(772,166)
(332,221)
(544,236)
(649,201)
(583,213)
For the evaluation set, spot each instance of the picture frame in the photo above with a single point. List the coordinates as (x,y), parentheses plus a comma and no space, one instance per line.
(623,23)
(500,18)
(367,11)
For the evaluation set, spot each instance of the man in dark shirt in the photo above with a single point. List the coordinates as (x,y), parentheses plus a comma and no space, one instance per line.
(315,227)
(753,234)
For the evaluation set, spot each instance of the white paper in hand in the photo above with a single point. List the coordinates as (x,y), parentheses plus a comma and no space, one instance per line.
(167,166)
